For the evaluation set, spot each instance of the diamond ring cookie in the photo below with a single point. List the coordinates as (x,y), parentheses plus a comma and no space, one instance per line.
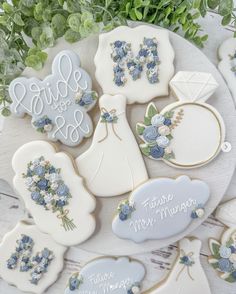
(113,165)
(160,208)
(30,259)
(134,59)
(108,275)
(54,193)
(188,133)
(187,275)
(59,103)
(223,258)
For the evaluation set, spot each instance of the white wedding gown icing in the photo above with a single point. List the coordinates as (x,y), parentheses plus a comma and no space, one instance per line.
(183,280)
(113,165)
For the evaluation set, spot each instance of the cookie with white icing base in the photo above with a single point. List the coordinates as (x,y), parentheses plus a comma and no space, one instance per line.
(134,59)
(108,275)
(223,258)
(54,193)
(160,208)
(30,259)
(188,133)
(59,103)
(187,275)
(227,64)
(113,165)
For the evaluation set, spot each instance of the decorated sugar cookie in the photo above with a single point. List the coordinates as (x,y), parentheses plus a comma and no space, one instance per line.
(53,193)
(187,275)
(113,165)
(135,59)
(108,275)
(223,258)
(227,64)
(30,259)
(59,103)
(188,133)
(160,208)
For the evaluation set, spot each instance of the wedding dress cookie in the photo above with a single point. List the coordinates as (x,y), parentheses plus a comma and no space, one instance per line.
(227,65)
(187,275)
(134,59)
(30,259)
(108,275)
(59,103)
(53,193)
(113,165)
(160,208)
(223,258)
(188,133)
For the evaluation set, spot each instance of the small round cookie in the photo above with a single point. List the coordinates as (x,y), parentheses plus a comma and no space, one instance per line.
(108,275)
(30,259)
(59,103)
(54,193)
(160,208)
(129,60)
(188,133)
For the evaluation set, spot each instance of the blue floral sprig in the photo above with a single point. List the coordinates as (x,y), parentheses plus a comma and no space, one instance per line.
(134,289)
(109,117)
(223,258)
(186,260)
(86,98)
(75,281)
(125,210)
(43,124)
(198,211)
(123,57)
(48,189)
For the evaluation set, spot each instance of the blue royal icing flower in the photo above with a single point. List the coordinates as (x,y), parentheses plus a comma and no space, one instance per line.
(224,265)
(39,170)
(234,275)
(150,134)
(123,216)
(162,141)
(167,122)
(225,252)
(157,151)
(35,195)
(157,120)
(126,209)
(233,249)
(62,190)
(42,184)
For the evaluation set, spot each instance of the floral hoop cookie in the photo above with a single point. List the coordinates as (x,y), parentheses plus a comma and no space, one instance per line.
(135,59)
(106,275)
(30,259)
(53,193)
(164,134)
(223,258)
(161,208)
(187,275)
(59,103)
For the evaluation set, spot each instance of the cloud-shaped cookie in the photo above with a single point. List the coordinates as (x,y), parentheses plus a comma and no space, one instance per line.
(160,208)
(53,193)
(107,275)
(59,103)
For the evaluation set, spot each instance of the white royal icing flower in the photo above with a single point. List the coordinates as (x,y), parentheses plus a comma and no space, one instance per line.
(48,198)
(200,212)
(233,258)
(54,177)
(225,252)
(54,185)
(168,150)
(36,178)
(157,120)
(135,290)
(43,163)
(47,128)
(35,162)
(164,130)
(29,182)
(47,176)
(162,141)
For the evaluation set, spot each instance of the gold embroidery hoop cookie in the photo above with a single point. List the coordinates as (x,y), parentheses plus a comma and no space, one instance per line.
(188,133)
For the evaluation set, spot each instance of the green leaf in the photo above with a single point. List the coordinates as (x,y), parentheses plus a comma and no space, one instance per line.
(74,22)
(225,7)
(151,110)
(147,121)
(213,3)
(42,56)
(59,24)
(6,111)
(169,114)
(140,129)
(138,14)
(170,137)
(72,36)
(7,8)
(137,3)
(34,62)
(214,247)
(226,20)
(230,279)
(145,149)
(28,3)
(18,20)
(132,14)
(36,32)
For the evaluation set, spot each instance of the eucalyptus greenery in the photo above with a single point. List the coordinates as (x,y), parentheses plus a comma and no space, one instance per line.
(44,21)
